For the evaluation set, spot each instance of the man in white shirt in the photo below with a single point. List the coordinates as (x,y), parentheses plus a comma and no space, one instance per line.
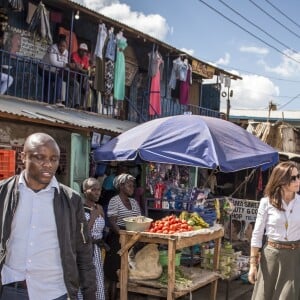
(45,249)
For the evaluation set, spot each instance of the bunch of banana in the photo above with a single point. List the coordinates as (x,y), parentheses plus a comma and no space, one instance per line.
(196,220)
(184,215)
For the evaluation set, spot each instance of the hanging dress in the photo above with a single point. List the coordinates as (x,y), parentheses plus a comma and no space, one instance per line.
(156,70)
(110,64)
(100,66)
(184,88)
(119,78)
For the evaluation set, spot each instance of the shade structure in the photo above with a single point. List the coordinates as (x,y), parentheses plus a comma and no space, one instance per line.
(190,140)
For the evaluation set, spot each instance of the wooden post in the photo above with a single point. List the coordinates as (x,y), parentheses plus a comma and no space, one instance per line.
(214,284)
(171,268)
(123,269)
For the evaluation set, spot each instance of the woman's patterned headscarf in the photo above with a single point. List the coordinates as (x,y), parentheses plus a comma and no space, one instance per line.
(121,179)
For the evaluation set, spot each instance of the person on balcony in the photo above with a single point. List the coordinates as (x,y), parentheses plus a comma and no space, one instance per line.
(56,56)
(6,80)
(81,60)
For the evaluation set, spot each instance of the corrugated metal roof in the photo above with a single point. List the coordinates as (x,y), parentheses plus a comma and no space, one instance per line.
(14,108)
(101,17)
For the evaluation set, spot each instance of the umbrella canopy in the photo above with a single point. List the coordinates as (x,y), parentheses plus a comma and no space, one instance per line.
(190,140)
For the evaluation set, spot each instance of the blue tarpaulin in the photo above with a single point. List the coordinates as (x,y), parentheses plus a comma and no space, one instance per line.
(190,140)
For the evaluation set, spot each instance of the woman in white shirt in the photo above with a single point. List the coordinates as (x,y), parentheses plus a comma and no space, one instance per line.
(278,275)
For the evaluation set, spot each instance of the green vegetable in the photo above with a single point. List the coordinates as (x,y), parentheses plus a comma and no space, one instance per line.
(179,277)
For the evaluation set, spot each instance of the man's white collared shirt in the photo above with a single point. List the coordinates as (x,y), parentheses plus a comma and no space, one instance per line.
(33,252)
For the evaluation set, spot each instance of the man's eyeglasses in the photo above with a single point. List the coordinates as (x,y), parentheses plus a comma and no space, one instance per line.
(294,177)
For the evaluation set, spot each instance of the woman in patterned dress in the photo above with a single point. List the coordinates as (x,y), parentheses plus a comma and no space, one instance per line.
(119,207)
(96,223)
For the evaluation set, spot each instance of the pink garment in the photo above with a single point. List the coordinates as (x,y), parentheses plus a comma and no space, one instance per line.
(185,89)
(155,107)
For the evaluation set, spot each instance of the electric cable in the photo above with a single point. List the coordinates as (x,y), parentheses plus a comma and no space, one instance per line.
(258,27)
(274,19)
(291,100)
(281,12)
(252,34)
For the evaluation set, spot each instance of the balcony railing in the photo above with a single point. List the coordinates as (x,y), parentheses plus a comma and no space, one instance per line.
(35,80)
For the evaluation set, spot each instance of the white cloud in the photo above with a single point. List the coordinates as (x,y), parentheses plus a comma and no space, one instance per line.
(253,91)
(287,67)
(255,50)
(188,51)
(152,24)
(223,60)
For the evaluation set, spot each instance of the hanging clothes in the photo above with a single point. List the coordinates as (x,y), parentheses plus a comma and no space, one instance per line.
(174,83)
(110,52)
(175,72)
(185,82)
(156,70)
(99,62)
(110,63)
(101,38)
(119,78)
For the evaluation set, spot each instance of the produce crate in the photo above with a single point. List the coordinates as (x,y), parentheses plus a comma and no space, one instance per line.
(7,163)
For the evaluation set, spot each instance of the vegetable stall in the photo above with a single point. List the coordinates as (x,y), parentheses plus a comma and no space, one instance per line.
(193,141)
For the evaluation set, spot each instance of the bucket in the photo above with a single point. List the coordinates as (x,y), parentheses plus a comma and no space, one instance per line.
(163,258)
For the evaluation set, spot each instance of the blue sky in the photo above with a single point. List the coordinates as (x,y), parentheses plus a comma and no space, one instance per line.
(269,64)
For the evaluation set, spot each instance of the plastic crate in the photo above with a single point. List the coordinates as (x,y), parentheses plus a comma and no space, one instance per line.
(7,163)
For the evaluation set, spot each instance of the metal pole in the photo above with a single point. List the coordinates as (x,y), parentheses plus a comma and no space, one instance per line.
(71,31)
(228,105)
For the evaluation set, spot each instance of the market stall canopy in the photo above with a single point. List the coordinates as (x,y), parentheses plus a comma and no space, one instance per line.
(190,140)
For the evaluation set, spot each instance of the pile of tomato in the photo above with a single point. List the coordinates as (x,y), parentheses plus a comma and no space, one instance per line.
(169,225)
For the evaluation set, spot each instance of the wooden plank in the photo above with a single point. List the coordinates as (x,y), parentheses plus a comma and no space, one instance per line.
(171,268)
(124,269)
(199,279)
(130,243)
(198,239)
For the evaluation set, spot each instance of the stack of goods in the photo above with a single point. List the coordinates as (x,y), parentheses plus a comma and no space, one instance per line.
(229,262)
(207,256)
(208,209)
(176,198)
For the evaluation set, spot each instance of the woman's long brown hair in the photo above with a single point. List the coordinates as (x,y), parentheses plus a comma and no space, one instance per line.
(280,176)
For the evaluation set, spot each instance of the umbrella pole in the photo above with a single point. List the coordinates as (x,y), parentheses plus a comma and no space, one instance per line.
(196,177)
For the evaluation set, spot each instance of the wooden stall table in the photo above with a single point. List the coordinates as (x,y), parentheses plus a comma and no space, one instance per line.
(174,241)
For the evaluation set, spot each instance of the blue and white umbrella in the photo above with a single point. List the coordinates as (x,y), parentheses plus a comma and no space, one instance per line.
(190,140)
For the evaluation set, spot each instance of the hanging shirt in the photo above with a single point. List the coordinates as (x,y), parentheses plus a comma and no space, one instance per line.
(101,37)
(111,47)
(175,72)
